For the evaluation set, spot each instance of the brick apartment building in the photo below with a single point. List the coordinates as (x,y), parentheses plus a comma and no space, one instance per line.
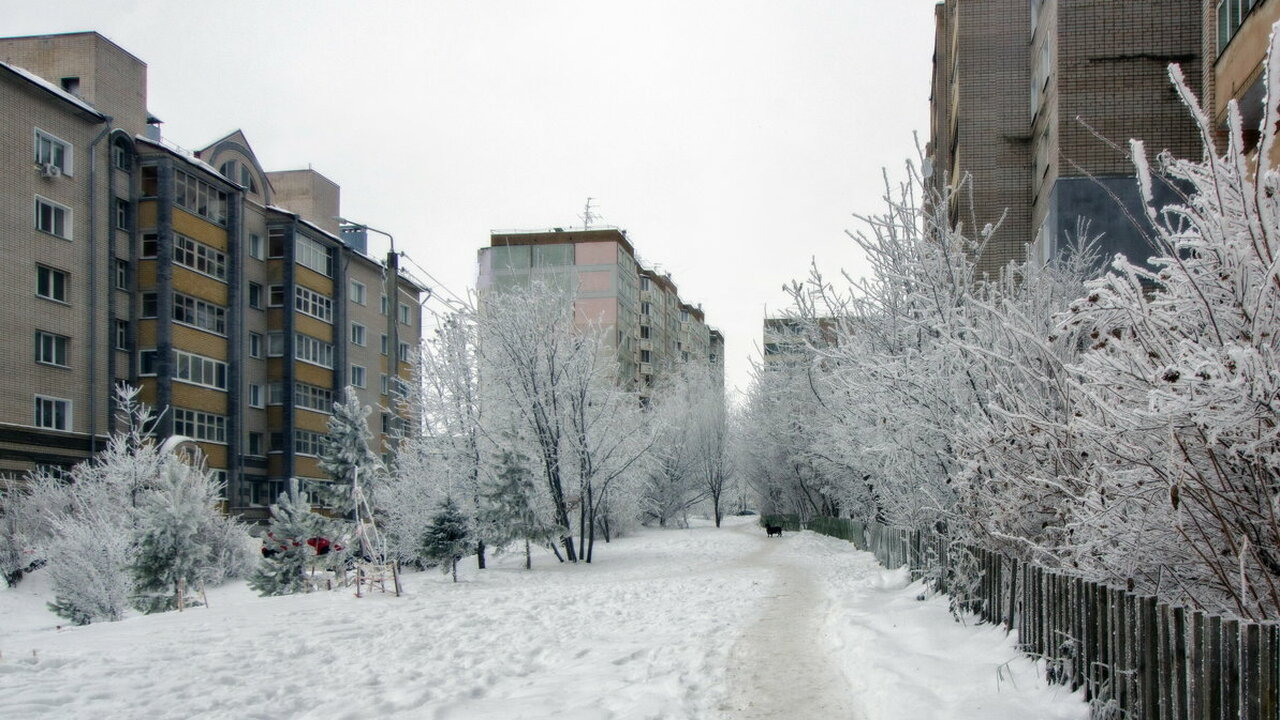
(226,292)
(653,329)
(1041,98)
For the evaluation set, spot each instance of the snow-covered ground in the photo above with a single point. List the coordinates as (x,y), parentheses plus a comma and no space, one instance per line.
(699,623)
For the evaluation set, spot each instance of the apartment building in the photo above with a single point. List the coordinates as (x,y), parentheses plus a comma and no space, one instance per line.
(1043,96)
(227,293)
(651,328)
(1236,38)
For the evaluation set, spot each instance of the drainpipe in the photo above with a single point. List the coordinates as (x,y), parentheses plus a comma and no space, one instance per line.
(93,287)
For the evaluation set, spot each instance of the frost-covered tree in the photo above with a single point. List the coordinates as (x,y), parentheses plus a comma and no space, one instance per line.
(88,559)
(176,537)
(447,538)
(509,506)
(345,453)
(283,569)
(441,443)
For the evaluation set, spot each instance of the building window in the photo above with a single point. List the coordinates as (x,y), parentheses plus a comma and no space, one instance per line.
(404,314)
(200,425)
(51,349)
(383,343)
(255,443)
(150,241)
(256,251)
(150,181)
(405,350)
(121,268)
(384,305)
(312,350)
(684,316)
(384,385)
(197,256)
(150,303)
(1231,15)
(199,370)
(275,344)
(306,442)
(275,241)
(358,375)
(358,292)
(199,197)
(314,255)
(255,395)
(199,314)
(310,302)
(51,284)
(123,213)
(644,283)
(357,334)
(313,397)
(255,296)
(53,218)
(122,334)
(275,296)
(53,413)
(275,393)
(147,362)
(52,153)
(276,440)
(120,156)
(645,332)
(644,308)
(645,356)
(255,345)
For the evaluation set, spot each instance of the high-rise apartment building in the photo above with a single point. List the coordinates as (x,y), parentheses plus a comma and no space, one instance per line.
(225,292)
(1043,96)
(649,325)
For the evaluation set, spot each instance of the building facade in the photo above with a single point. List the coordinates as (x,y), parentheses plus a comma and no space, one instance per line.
(1236,37)
(649,326)
(1068,83)
(225,292)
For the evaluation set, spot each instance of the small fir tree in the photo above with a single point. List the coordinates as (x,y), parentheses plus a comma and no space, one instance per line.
(283,570)
(508,506)
(344,451)
(447,538)
(177,522)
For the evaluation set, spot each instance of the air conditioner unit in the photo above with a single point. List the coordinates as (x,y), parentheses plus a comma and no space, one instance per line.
(50,170)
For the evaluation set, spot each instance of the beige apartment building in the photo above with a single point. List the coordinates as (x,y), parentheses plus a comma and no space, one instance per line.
(227,293)
(1042,97)
(650,326)
(1236,38)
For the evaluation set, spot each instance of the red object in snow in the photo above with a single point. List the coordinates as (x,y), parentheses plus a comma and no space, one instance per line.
(320,544)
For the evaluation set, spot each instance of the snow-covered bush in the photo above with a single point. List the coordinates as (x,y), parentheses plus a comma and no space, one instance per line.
(87,565)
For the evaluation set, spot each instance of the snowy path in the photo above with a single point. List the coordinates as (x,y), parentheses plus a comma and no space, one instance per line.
(780,666)
(704,624)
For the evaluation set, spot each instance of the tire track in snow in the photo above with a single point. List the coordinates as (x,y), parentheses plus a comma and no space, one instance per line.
(781,665)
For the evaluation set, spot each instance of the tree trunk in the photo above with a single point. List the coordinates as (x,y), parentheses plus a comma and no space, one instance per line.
(455,569)
(556,550)
(582,528)
(528,556)
(480,552)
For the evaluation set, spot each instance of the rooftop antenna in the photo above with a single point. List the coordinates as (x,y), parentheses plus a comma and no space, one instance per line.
(587,216)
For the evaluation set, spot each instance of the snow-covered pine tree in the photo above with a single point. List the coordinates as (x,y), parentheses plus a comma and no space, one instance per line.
(508,506)
(172,538)
(345,449)
(447,538)
(283,570)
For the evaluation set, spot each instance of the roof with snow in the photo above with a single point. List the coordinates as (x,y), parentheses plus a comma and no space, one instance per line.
(54,90)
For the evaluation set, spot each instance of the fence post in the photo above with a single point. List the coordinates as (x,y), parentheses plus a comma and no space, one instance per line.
(1149,660)
(1181,665)
(1250,671)
(1231,668)
(1213,668)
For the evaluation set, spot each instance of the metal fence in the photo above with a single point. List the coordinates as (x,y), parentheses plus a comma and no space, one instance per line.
(1133,655)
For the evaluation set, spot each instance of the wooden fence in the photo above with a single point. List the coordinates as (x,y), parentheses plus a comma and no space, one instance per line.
(1134,656)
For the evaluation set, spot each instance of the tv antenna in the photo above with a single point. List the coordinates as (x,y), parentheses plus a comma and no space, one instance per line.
(587,216)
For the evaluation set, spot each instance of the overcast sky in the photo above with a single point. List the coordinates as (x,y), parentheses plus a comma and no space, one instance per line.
(732,140)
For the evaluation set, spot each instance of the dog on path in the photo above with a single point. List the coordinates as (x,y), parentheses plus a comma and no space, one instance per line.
(773,530)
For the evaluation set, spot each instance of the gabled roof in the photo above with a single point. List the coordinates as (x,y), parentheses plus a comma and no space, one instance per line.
(236,140)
